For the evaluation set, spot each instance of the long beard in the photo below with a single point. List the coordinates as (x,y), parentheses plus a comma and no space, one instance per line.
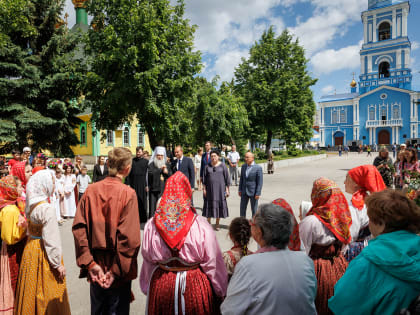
(159,163)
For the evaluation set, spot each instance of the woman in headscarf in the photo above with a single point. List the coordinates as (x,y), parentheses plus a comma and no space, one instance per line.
(359,181)
(385,167)
(23,171)
(294,241)
(41,287)
(13,227)
(183,271)
(324,232)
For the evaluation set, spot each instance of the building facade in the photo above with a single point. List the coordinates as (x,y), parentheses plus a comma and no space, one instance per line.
(384,109)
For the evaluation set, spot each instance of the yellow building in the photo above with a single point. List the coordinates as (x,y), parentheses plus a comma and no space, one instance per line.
(92,143)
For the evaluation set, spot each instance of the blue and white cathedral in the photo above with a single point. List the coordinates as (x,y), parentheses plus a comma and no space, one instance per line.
(385,109)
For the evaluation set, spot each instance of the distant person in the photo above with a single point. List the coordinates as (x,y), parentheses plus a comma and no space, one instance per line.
(340,150)
(15,158)
(83,181)
(250,184)
(137,179)
(410,164)
(205,159)
(273,280)
(216,182)
(369,150)
(106,233)
(270,163)
(100,170)
(197,167)
(184,164)
(27,155)
(233,159)
(394,150)
(385,277)
(159,170)
(385,166)
(346,150)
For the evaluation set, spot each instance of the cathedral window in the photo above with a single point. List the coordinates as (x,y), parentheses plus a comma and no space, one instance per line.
(383,69)
(371,113)
(383,113)
(396,112)
(384,31)
(343,118)
(334,118)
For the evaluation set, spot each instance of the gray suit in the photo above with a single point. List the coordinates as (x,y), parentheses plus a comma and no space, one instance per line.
(249,187)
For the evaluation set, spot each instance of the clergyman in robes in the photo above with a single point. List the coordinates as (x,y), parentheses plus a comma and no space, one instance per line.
(137,179)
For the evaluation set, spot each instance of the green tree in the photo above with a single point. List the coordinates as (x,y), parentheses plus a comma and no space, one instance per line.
(219,115)
(275,86)
(142,63)
(39,77)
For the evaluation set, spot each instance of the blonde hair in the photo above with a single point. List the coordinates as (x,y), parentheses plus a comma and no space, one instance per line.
(118,159)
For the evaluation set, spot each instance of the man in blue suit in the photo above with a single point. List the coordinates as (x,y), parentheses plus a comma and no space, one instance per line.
(205,159)
(250,184)
(185,165)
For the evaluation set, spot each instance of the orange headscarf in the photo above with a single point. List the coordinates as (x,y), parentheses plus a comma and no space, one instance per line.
(369,179)
(37,169)
(294,240)
(175,214)
(9,193)
(330,206)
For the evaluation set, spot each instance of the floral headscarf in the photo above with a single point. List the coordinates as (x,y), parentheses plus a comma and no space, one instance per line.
(330,206)
(18,170)
(9,194)
(369,179)
(294,240)
(40,187)
(175,214)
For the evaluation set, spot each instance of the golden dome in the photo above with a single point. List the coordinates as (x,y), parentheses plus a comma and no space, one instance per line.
(353,84)
(79,3)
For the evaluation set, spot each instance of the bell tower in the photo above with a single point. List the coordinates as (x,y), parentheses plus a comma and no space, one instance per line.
(385,54)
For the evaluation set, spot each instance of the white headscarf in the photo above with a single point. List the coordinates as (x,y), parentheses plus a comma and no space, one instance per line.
(158,151)
(305,206)
(39,188)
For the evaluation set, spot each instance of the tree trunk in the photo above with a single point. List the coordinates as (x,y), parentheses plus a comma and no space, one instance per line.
(268,142)
(152,137)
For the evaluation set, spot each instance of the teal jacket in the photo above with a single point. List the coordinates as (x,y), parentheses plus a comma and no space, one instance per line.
(383,279)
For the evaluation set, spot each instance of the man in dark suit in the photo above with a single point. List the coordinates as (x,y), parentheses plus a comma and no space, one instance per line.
(184,164)
(250,184)
(205,159)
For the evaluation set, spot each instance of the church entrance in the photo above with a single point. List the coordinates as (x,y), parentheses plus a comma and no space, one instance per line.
(338,138)
(384,137)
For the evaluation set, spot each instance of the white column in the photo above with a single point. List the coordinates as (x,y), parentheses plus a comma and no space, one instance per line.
(398,59)
(369,64)
(370,33)
(365,29)
(394,24)
(374,29)
(404,22)
(393,135)
(407,58)
(398,26)
(362,64)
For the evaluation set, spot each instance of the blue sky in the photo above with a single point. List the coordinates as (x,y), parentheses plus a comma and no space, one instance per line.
(331,32)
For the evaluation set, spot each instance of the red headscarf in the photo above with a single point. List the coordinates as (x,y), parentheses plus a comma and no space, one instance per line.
(18,170)
(175,215)
(37,169)
(294,240)
(369,179)
(9,194)
(330,206)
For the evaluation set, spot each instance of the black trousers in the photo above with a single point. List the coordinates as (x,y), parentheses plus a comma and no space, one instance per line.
(153,198)
(113,301)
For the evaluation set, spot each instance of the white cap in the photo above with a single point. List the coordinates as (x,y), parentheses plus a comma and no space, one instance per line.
(26,149)
(403,144)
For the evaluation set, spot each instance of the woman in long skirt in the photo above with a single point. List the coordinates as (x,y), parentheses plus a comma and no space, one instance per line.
(216,181)
(41,287)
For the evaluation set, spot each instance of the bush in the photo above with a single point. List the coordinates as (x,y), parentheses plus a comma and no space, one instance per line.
(293,151)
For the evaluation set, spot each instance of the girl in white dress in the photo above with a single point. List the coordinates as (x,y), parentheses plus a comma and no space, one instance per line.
(69,184)
(197,166)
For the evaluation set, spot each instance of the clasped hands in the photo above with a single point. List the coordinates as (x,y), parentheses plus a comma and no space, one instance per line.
(97,275)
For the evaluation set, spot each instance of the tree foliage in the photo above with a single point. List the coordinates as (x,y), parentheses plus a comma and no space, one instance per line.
(39,77)
(142,63)
(275,86)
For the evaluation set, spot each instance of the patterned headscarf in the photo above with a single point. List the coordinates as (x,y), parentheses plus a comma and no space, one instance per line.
(40,187)
(18,170)
(294,240)
(330,206)
(175,214)
(9,193)
(369,179)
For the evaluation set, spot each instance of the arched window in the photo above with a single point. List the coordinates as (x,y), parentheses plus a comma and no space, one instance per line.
(383,69)
(396,112)
(126,137)
(110,137)
(371,113)
(383,113)
(343,118)
(83,135)
(384,31)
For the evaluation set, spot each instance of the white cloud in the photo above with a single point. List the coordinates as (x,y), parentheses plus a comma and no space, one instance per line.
(327,90)
(415,45)
(329,60)
(226,63)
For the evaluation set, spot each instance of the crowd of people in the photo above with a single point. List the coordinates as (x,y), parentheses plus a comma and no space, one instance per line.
(356,256)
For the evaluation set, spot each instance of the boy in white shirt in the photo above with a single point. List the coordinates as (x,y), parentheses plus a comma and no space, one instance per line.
(83,181)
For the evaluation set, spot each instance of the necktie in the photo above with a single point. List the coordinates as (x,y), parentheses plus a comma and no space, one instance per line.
(179,164)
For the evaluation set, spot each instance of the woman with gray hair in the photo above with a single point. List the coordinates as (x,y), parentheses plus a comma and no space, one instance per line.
(274,280)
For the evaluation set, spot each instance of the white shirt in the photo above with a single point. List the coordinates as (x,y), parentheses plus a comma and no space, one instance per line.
(83,181)
(248,168)
(179,162)
(312,231)
(233,157)
(102,167)
(278,282)
(359,220)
